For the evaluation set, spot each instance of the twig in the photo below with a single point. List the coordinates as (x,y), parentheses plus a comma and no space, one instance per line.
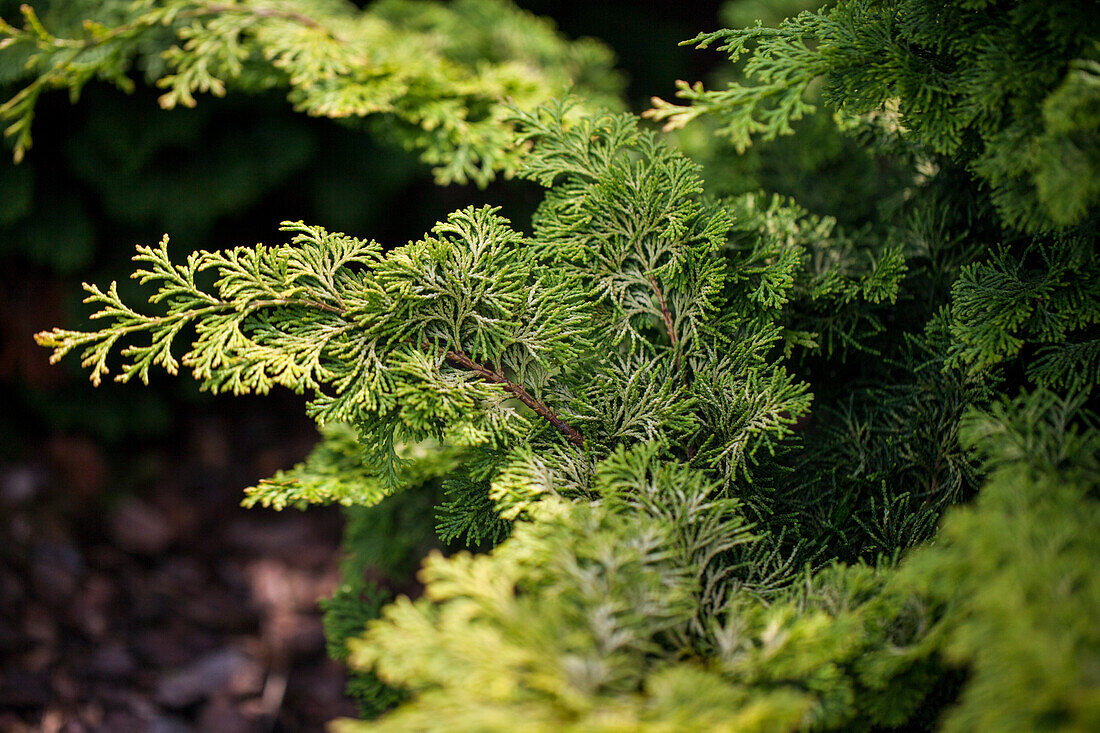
(673,336)
(459,359)
(665,314)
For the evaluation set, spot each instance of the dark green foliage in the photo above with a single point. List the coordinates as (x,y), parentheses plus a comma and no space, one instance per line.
(383,545)
(988,83)
(882,463)
(1046,300)
(833,290)
(467,515)
(346,615)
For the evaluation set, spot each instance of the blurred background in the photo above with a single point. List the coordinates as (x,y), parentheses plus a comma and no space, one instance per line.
(135,593)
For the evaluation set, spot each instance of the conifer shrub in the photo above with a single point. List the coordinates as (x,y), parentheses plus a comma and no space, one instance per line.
(707,458)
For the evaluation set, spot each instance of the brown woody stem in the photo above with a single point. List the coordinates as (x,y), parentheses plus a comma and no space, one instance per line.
(458,359)
(665,314)
(462,361)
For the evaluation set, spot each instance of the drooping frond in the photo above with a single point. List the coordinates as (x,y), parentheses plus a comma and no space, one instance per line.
(407,64)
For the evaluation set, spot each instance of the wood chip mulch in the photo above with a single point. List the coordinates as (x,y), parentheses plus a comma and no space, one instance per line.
(164,607)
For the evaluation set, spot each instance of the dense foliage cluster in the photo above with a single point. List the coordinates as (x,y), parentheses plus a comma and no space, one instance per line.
(1007,86)
(721,457)
(434,75)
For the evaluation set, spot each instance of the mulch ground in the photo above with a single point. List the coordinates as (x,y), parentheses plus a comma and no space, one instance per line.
(165,607)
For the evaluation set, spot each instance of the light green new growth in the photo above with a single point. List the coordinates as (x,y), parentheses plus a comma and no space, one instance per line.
(571,613)
(586,618)
(408,64)
(408,346)
(334,473)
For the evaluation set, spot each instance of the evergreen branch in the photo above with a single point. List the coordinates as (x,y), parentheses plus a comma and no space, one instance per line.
(299,316)
(625,216)
(383,61)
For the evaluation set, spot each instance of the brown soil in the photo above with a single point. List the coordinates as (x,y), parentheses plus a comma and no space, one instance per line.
(157,603)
